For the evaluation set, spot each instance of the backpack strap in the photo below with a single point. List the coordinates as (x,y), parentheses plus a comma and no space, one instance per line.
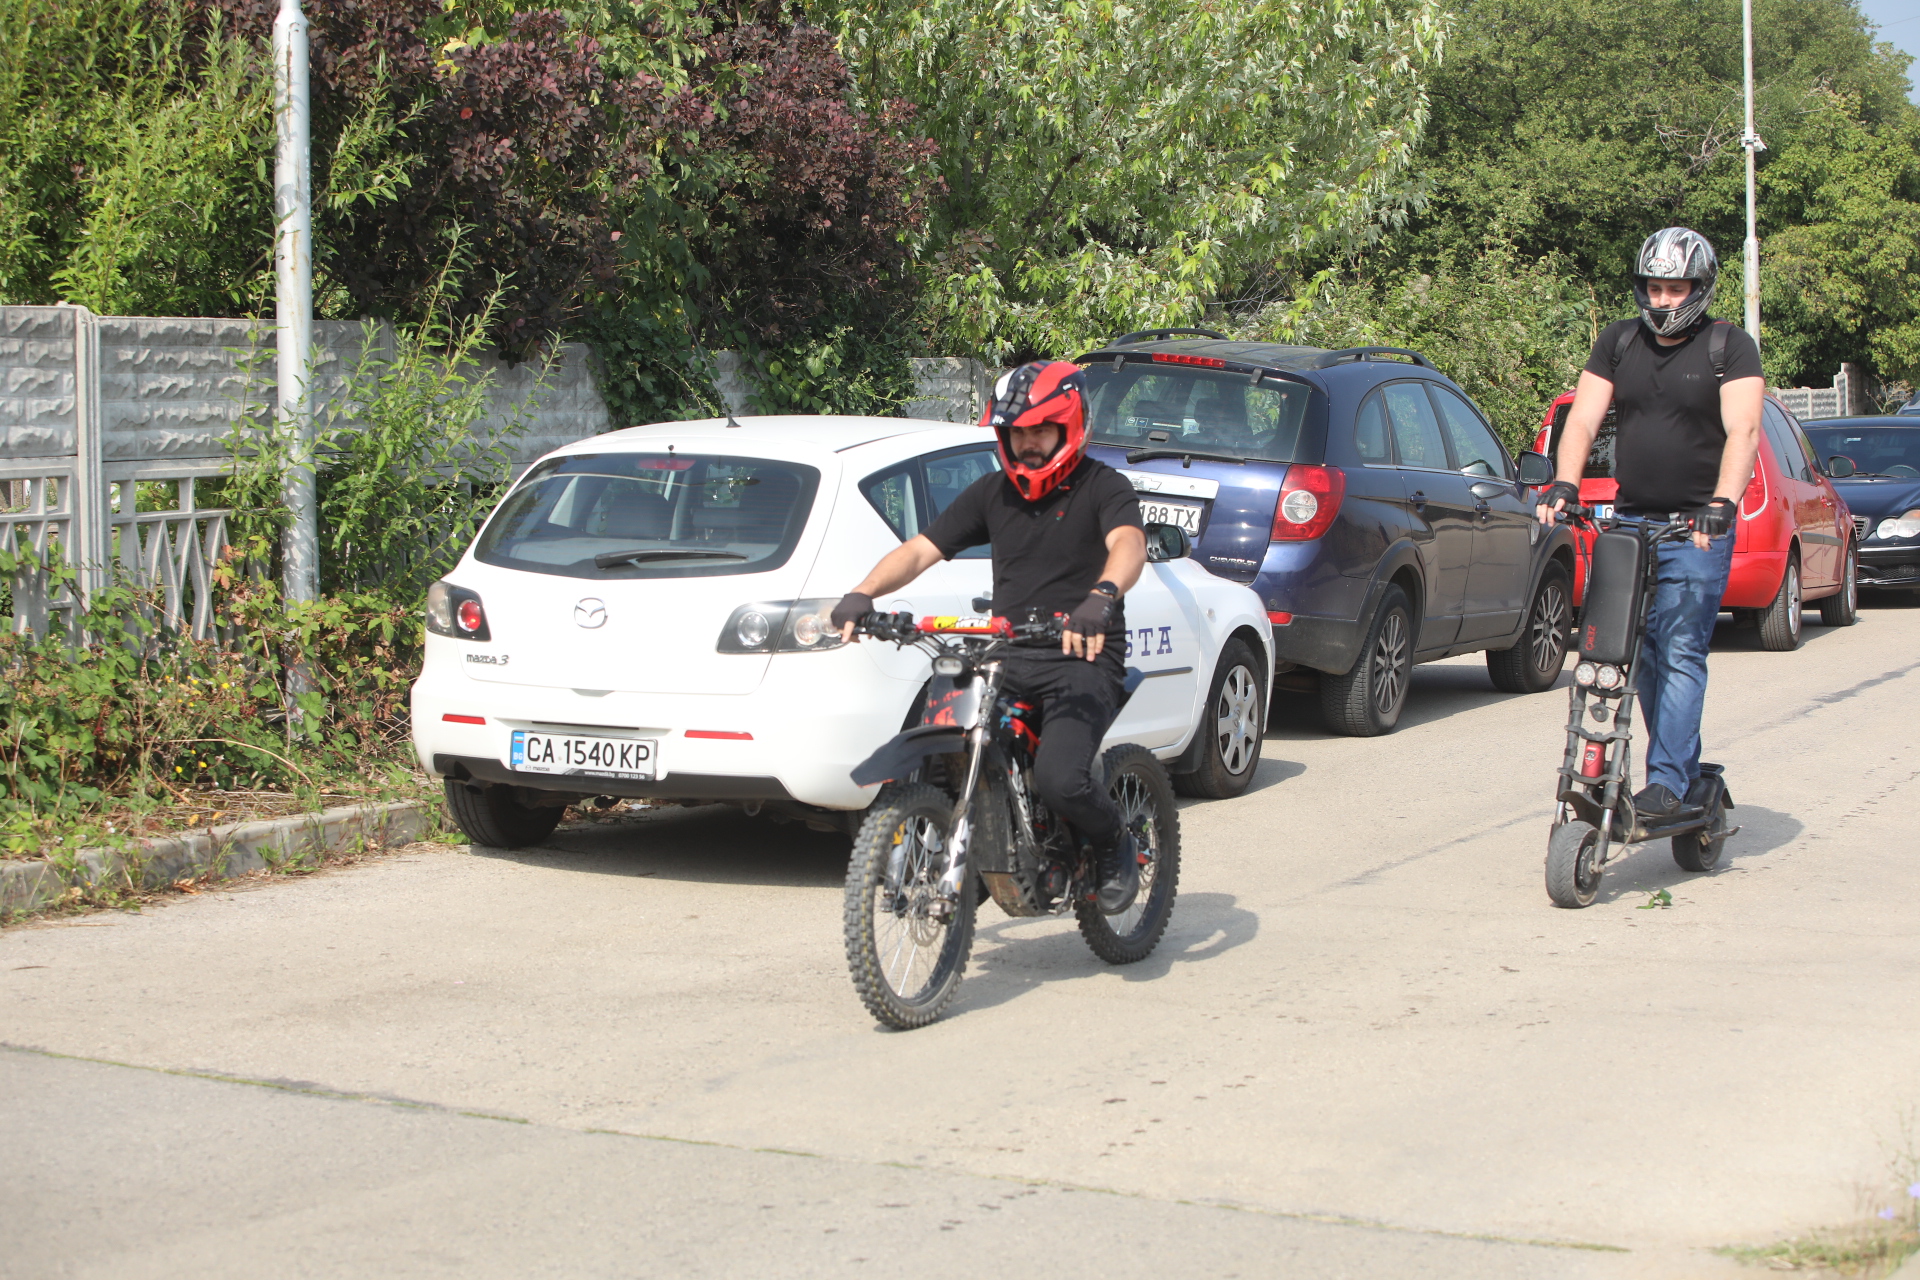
(1717,348)
(1621,344)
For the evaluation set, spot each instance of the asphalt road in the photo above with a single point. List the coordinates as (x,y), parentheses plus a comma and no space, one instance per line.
(1368,1046)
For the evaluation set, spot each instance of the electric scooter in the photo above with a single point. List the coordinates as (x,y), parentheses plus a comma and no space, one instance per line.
(1595,822)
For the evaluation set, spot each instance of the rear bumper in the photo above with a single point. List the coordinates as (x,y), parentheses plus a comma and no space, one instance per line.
(808,727)
(1302,579)
(1754,580)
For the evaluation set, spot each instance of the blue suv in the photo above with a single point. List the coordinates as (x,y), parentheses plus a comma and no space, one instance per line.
(1359,492)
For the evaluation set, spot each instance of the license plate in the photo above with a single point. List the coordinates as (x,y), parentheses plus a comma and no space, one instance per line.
(1603,510)
(1184,514)
(578,753)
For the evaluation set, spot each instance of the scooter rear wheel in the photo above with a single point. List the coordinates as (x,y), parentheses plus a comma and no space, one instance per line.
(1700,850)
(1573,876)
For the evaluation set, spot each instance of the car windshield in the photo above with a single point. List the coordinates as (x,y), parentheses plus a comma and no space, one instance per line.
(1161,407)
(634,515)
(1874,451)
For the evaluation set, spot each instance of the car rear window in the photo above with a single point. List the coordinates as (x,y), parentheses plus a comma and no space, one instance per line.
(1146,406)
(1600,456)
(685,515)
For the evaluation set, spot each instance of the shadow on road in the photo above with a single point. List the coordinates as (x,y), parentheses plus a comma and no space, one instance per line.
(713,844)
(1650,867)
(1022,958)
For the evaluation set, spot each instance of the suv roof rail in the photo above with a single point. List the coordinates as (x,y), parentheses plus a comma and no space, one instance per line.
(1160,335)
(1362,353)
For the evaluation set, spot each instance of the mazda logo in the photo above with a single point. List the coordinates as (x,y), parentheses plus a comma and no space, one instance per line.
(590,613)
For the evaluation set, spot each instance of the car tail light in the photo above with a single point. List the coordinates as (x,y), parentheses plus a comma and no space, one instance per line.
(1309,501)
(1205,362)
(456,611)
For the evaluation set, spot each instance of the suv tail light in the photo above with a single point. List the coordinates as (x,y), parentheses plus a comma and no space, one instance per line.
(456,611)
(1309,501)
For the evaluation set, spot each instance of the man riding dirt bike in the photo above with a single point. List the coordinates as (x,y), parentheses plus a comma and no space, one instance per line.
(1688,390)
(1067,541)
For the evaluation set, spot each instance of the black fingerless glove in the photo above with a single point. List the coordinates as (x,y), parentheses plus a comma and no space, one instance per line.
(853,606)
(1559,491)
(1715,518)
(1092,616)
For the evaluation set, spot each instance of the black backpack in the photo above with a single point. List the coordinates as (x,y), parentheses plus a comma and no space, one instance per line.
(1716,347)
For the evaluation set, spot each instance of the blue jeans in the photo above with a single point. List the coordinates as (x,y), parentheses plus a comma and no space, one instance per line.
(1673,658)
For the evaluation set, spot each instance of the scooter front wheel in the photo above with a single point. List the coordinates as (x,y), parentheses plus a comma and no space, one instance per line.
(1573,864)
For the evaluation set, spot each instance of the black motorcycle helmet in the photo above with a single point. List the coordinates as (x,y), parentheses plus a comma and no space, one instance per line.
(1675,253)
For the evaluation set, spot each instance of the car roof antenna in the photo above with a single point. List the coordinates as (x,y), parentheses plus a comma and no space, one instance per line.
(731,422)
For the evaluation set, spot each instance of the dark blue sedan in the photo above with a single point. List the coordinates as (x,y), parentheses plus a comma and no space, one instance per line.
(1874,464)
(1359,492)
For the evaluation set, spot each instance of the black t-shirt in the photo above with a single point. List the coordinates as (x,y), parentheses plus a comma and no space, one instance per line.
(1047,554)
(1667,446)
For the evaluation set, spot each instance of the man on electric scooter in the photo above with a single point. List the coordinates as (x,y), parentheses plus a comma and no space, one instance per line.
(1688,392)
(1067,539)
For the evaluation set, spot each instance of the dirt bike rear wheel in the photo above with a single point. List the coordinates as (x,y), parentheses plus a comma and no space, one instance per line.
(905,957)
(1139,784)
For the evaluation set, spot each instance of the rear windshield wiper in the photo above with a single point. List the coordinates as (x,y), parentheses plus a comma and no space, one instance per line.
(1168,451)
(643,555)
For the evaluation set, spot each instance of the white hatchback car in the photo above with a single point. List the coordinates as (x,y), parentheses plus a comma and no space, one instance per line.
(644,616)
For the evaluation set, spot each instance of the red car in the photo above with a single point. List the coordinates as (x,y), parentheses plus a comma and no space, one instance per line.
(1795,541)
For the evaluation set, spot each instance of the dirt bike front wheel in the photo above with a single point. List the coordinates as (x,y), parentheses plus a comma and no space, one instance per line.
(906,945)
(1141,788)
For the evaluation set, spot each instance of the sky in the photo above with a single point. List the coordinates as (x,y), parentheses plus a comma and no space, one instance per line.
(1899,22)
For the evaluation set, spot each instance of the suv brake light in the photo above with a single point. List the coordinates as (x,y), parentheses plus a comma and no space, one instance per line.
(1309,501)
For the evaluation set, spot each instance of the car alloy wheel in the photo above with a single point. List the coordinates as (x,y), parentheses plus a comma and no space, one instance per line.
(1237,720)
(1547,629)
(1389,675)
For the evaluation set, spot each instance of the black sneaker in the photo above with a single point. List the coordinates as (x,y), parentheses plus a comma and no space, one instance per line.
(1119,875)
(1656,804)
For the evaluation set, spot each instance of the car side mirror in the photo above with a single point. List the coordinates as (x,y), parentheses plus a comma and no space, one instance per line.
(1536,469)
(1840,466)
(983,606)
(1167,542)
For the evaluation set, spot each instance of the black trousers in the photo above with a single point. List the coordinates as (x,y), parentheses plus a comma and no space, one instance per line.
(1078,701)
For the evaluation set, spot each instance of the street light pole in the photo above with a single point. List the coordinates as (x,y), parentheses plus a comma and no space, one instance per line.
(1751,144)
(293,304)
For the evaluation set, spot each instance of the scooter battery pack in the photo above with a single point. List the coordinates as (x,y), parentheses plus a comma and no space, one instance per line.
(1611,615)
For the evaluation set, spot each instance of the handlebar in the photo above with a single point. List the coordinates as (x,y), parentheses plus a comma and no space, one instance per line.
(902,628)
(1581,515)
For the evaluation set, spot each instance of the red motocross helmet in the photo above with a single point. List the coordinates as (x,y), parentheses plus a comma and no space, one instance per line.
(1044,391)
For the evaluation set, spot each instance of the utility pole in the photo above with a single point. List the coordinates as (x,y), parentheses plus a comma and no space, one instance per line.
(293,304)
(1751,144)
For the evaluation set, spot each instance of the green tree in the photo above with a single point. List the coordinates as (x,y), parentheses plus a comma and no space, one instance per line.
(1112,164)
(1573,128)
(130,160)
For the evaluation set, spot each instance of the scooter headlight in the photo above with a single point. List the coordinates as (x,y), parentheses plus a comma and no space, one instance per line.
(948,665)
(1583,675)
(1609,678)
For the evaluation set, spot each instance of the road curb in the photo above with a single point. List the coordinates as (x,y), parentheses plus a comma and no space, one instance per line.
(230,850)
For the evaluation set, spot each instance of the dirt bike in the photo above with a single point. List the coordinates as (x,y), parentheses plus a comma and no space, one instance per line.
(1594,820)
(958,822)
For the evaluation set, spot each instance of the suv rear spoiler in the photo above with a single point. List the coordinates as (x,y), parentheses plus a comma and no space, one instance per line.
(1363,353)
(1161,335)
